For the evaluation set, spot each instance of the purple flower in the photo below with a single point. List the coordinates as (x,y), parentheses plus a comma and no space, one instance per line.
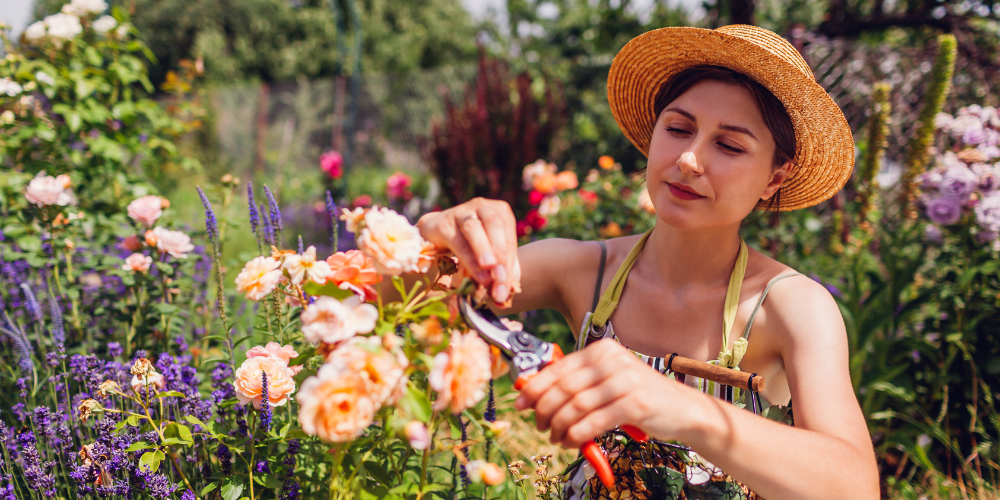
(301,248)
(31,303)
(266,226)
(958,183)
(265,407)
(21,344)
(988,212)
(225,459)
(36,472)
(274,211)
(933,234)
(491,406)
(143,137)
(188,495)
(211,225)
(944,211)
(114,349)
(254,216)
(331,208)
(58,330)
(263,467)
(290,490)
(973,135)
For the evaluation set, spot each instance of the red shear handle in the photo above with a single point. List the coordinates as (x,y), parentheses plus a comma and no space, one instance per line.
(590,450)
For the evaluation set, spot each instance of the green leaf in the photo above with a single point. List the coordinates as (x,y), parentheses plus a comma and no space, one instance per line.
(208,489)
(416,403)
(232,489)
(139,445)
(329,289)
(169,394)
(151,460)
(177,434)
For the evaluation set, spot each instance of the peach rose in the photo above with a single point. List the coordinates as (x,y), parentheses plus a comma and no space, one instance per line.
(335,405)
(279,381)
(428,332)
(282,352)
(461,372)
(150,238)
(481,471)
(549,206)
(137,262)
(498,365)
(330,320)
(381,369)
(305,266)
(176,243)
(606,162)
(533,170)
(353,218)
(391,241)
(545,183)
(47,190)
(146,210)
(259,277)
(566,180)
(353,270)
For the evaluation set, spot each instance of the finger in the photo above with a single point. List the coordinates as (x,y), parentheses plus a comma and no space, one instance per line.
(593,424)
(543,380)
(567,388)
(471,226)
(441,229)
(587,401)
(499,224)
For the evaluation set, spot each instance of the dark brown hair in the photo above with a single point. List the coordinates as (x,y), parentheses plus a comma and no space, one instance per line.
(775,117)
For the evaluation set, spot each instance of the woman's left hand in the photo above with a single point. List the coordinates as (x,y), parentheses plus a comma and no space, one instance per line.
(604,386)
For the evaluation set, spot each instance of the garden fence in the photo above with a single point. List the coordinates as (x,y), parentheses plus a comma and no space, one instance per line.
(382,119)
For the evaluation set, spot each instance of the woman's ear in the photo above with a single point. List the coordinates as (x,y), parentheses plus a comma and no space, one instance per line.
(778,177)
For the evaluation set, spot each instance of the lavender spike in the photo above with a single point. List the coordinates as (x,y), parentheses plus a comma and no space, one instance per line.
(331,207)
(274,211)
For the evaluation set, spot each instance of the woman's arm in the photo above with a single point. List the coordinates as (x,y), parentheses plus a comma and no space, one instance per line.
(828,454)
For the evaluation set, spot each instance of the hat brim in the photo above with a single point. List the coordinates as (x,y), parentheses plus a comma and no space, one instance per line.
(824,146)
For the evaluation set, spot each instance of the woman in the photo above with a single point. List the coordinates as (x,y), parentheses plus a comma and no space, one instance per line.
(730,120)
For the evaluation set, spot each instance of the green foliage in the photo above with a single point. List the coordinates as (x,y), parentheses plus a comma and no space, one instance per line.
(878,127)
(84,110)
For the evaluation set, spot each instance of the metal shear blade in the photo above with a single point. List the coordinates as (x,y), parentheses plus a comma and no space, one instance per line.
(488,325)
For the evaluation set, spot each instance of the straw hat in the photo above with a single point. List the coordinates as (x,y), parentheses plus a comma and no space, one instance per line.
(824,147)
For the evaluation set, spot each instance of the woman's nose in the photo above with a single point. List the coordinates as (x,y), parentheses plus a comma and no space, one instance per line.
(689,163)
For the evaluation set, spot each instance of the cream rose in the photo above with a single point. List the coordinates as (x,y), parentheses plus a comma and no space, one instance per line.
(47,190)
(249,381)
(137,262)
(330,320)
(335,405)
(283,352)
(461,372)
(259,277)
(146,210)
(176,243)
(381,369)
(150,379)
(305,266)
(391,241)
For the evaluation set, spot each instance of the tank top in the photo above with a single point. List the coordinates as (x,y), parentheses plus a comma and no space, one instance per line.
(657,469)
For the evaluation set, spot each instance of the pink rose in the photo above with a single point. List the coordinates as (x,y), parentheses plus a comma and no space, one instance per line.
(283,352)
(176,243)
(418,435)
(382,369)
(279,381)
(259,277)
(146,210)
(137,262)
(48,190)
(397,186)
(461,372)
(335,405)
(131,243)
(332,163)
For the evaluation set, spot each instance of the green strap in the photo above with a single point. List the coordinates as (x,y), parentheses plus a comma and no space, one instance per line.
(746,330)
(609,300)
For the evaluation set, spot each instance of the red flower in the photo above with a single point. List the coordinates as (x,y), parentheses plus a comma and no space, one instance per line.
(522,228)
(332,163)
(535,197)
(362,201)
(587,196)
(535,220)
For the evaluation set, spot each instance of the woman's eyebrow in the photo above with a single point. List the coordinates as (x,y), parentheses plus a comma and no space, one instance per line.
(731,128)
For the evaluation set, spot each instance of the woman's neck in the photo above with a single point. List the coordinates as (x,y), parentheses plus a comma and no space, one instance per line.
(690,258)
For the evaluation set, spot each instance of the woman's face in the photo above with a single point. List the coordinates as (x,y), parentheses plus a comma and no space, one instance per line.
(711,158)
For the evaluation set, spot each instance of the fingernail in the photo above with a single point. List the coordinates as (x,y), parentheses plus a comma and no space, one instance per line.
(500,293)
(482,277)
(487,259)
(500,273)
(519,403)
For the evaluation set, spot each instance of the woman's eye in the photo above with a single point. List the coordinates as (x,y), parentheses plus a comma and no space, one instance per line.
(678,131)
(731,149)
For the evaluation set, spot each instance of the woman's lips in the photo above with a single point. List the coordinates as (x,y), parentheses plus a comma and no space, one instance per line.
(682,193)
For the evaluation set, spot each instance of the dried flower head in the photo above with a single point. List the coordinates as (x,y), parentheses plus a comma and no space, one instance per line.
(87,407)
(107,388)
(141,367)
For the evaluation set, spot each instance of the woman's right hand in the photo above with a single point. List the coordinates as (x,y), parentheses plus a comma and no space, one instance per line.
(482,234)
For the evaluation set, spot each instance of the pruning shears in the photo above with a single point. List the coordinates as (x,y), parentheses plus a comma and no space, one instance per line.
(527,355)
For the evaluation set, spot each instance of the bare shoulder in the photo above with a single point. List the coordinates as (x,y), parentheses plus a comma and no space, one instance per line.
(798,308)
